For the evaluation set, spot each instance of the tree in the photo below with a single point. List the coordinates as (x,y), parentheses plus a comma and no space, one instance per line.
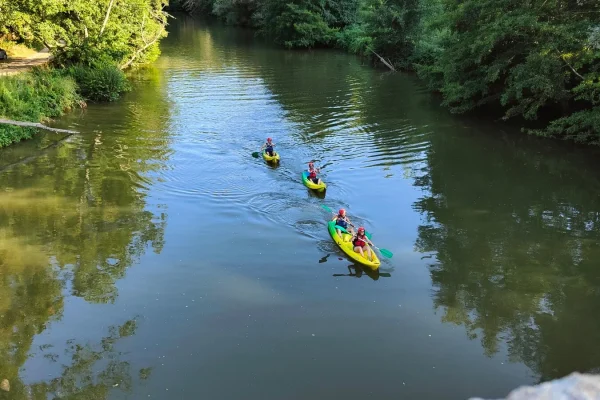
(527,56)
(123,32)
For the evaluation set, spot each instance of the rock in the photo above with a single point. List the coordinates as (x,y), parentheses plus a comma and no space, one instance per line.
(3,55)
(573,387)
(5,385)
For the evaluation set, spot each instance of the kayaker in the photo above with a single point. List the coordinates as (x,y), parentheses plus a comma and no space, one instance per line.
(312,173)
(360,242)
(342,220)
(269,147)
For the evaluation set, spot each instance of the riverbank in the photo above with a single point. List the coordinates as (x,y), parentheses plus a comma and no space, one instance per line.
(90,45)
(34,96)
(44,93)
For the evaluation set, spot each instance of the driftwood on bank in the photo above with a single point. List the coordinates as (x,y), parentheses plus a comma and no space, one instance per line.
(35,125)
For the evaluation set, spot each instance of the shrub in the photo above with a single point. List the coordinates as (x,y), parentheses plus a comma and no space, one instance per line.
(102,82)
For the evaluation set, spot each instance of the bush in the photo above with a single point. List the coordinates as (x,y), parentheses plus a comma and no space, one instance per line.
(34,96)
(103,82)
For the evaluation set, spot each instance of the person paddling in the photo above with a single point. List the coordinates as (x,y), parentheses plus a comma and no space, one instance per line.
(360,242)
(312,173)
(268,147)
(342,220)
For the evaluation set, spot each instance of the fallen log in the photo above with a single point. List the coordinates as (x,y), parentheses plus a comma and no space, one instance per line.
(35,125)
(385,62)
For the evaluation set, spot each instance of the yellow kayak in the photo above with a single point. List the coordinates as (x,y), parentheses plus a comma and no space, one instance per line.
(311,185)
(268,158)
(348,248)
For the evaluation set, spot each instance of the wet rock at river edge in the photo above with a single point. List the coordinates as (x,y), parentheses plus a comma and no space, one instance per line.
(573,387)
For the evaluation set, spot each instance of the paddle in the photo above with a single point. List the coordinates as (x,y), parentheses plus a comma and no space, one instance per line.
(367,234)
(256,154)
(384,252)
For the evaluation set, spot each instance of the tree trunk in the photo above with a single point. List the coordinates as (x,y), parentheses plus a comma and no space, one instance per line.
(34,125)
(110,6)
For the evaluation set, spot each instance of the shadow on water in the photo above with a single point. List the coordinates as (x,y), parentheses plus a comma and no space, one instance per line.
(317,194)
(357,271)
(273,164)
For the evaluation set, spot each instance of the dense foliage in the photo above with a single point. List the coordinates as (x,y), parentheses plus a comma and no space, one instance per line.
(534,59)
(528,56)
(124,32)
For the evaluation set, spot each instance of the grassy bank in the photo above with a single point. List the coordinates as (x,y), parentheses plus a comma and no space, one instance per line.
(45,93)
(34,96)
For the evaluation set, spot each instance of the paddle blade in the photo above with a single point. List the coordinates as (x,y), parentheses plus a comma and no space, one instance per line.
(368,235)
(256,154)
(326,208)
(386,253)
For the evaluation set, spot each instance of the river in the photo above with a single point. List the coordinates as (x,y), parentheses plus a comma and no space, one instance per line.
(151,256)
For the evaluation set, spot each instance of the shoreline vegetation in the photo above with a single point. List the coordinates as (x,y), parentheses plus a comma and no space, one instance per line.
(91,44)
(535,62)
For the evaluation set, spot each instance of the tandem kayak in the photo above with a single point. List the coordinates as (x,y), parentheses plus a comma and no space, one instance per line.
(268,158)
(311,185)
(348,248)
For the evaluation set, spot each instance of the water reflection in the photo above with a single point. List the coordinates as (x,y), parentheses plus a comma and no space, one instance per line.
(72,220)
(80,376)
(30,297)
(515,242)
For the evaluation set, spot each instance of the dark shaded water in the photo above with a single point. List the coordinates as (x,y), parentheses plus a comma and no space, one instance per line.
(152,256)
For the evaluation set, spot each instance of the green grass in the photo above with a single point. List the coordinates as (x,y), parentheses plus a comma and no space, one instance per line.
(34,96)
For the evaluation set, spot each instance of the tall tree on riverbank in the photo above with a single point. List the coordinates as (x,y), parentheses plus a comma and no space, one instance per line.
(122,32)
(528,56)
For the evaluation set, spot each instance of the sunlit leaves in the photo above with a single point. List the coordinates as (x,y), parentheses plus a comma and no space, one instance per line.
(73,31)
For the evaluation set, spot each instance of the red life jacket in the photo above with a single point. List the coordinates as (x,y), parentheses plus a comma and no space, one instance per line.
(312,173)
(359,242)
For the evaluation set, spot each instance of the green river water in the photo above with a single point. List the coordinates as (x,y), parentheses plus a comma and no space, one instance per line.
(150,256)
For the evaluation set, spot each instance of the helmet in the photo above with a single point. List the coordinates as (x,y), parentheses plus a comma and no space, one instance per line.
(342,212)
(269,139)
(361,230)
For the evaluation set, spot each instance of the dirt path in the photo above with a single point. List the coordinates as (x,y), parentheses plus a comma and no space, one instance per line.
(20,64)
